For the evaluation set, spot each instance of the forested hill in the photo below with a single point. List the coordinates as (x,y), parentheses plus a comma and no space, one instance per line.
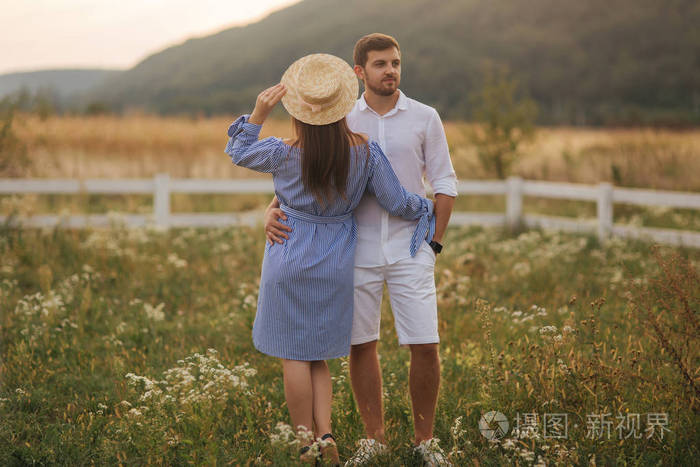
(583,61)
(63,82)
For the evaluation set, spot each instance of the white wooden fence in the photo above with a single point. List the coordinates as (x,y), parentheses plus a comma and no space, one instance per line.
(514,188)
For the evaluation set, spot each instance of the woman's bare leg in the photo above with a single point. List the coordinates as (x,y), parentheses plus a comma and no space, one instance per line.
(323,393)
(298,391)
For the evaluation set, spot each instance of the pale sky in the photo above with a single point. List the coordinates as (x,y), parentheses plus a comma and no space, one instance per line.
(39,34)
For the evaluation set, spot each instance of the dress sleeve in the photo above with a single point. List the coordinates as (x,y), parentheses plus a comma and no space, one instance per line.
(246,150)
(393,197)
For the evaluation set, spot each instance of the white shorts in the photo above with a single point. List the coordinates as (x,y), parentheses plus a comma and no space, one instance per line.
(411,285)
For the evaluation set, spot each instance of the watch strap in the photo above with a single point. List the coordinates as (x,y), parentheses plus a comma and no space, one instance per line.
(437,247)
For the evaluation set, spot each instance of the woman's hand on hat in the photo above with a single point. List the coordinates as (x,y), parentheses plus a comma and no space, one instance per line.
(266,101)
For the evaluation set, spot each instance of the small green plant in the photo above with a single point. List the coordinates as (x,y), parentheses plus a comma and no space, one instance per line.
(96,108)
(505,121)
(668,305)
(13,152)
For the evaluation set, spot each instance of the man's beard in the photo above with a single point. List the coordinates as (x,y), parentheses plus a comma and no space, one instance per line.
(381,90)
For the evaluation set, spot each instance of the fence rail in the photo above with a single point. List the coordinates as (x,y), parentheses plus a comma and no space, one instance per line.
(514,188)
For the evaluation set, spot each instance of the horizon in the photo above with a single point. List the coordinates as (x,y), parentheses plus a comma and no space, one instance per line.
(152,25)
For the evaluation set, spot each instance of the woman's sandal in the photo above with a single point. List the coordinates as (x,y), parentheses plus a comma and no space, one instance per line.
(329,450)
(307,455)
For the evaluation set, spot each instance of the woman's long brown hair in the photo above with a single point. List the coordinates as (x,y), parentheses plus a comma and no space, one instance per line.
(325,160)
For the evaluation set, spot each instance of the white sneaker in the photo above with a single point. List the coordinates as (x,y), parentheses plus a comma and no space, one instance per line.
(367,451)
(432,454)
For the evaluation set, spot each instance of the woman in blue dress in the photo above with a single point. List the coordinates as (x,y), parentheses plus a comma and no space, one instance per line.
(305,301)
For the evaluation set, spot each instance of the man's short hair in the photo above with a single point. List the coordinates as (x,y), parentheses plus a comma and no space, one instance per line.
(374,41)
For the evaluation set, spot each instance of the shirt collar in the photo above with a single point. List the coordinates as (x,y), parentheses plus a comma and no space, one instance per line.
(401,103)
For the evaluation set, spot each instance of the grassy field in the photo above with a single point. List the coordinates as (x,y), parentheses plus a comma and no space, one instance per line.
(133,347)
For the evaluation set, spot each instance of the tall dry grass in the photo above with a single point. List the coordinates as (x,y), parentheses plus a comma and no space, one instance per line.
(642,157)
(131,146)
(142,145)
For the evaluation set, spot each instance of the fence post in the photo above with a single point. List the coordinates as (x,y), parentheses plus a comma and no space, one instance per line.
(161,200)
(605,210)
(514,202)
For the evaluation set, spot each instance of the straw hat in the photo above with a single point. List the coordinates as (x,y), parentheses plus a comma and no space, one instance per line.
(321,89)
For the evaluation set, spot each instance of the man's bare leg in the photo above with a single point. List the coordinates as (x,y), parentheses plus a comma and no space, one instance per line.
(366,379)
(424,383)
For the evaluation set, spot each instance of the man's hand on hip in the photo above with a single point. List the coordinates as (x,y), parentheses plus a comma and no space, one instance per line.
(274,229)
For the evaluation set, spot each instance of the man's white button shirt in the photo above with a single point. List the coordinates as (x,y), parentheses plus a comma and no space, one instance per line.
(413,139)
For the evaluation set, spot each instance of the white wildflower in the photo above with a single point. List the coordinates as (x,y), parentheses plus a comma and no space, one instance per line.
(283,435)
(521,269)
(526,455)
(197,379)
(562,365)
(155,314)
(176,261)
(304,434)
(548,330)
(116,219)
(456,429)
(173,440)
(508,444)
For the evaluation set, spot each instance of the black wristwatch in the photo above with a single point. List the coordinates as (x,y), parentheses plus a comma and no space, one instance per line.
(437,248)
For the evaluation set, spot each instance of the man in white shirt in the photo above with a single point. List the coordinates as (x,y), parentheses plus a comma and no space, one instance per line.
(413,139)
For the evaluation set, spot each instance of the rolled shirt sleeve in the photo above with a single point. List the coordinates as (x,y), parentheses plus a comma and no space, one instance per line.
(438,165)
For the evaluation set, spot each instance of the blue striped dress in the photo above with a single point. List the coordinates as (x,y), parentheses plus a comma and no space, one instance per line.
(305,301)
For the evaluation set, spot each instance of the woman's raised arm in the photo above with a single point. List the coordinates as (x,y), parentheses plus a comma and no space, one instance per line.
(243,145)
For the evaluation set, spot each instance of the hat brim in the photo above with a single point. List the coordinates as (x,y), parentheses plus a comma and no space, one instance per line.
(349,89)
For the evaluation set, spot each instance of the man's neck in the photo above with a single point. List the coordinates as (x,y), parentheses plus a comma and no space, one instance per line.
(381,104)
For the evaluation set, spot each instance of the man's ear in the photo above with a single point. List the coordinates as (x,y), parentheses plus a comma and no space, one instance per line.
(360,72)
